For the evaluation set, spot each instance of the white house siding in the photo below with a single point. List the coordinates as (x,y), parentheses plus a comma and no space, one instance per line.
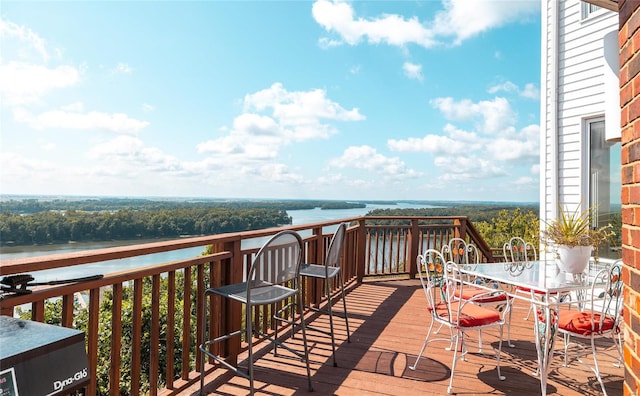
(572,82)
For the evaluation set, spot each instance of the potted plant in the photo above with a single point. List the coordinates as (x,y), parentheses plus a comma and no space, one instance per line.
(574,239)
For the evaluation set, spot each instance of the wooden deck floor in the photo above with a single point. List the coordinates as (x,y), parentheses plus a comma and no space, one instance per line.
(388,322)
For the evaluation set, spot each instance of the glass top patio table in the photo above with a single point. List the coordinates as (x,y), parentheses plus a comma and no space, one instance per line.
(544,277)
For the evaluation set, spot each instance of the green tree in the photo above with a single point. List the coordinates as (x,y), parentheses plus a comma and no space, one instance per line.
(510,223)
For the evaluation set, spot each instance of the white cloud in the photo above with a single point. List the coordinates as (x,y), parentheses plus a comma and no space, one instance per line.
(116,122)
(427,144)
(299,107)
(413,71)
(23,83)
(460,19)
(490,116)
(530,91)
(279,173)
(337,16)
(14,164)
(367,158)
(468,167)
(326,43)
(535,169)
(128,152)
(506,87)
(25,76)
(46,145)
(457,141)
(147,107)
(464,19)
(34,42)
(273,119)
(122,68)
(489,151)
(524,181)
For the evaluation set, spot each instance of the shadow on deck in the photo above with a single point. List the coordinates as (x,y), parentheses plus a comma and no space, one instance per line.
(389,320)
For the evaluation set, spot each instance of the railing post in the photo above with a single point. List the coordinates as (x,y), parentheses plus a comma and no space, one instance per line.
(361,259)
(461,230)
(237,275)
(230,314)
(414,237)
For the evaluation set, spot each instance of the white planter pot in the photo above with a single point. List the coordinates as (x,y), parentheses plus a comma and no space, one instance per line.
(575,259)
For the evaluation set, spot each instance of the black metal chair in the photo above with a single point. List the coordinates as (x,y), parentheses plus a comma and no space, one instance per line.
(274,277)
(328,271)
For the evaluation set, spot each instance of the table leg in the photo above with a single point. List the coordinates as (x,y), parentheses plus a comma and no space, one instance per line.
(545,327)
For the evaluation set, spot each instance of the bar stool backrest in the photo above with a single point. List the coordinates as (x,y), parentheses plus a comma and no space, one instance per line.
(335,247)
(277,262)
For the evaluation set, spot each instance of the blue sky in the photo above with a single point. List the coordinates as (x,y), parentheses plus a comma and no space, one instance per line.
(423,100)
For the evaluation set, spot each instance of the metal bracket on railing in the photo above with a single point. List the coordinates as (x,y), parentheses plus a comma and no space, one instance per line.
(14,285)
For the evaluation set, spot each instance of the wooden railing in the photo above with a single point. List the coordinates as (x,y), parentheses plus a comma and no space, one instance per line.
(135,319)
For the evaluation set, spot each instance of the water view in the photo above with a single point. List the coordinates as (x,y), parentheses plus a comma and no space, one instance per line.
(298,217)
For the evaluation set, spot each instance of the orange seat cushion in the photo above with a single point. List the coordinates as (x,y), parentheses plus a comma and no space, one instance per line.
(470,316)
(527,290)
(469,292)
(580,322)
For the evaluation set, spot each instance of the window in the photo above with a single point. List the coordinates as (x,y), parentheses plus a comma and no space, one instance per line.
(605,184)
(588,9)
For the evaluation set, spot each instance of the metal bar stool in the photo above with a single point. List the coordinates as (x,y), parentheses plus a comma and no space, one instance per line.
(327,271)
(274,277)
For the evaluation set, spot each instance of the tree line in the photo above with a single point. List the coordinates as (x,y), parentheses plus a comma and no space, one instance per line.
(81,226)
(33,205)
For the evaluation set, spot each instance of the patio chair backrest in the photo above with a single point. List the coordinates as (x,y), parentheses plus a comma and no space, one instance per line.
(277,262)
(335,247)
(462,253)
(432,271)
(606,296)
(518,250)
(441,281)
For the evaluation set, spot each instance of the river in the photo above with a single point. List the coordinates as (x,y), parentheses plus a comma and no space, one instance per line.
(297,216)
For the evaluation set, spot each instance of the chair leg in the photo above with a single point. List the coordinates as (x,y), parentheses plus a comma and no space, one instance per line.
(250,346)
(509,307)
(617,340)
(479,340)
(597,369)
(304,339)
(450,347)
(424,345)
(455,359)
(567,340)
(329,308)
(344,306)
(528,313)
(498,355)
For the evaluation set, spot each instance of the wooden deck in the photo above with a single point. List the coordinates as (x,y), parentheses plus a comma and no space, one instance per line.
(389,320)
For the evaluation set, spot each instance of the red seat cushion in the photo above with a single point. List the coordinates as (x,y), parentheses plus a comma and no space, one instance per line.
(580,322)
(527,290)
(468,292)
(471,315)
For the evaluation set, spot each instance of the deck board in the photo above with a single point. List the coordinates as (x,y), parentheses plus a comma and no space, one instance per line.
(388,321)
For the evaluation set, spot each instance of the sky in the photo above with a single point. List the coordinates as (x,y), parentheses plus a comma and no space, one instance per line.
(326,99)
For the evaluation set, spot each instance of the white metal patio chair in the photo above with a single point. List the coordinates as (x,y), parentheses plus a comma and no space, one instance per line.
(466,256)
(599,318)
(273,278)
(330,270)
(518,251)
(440,281)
